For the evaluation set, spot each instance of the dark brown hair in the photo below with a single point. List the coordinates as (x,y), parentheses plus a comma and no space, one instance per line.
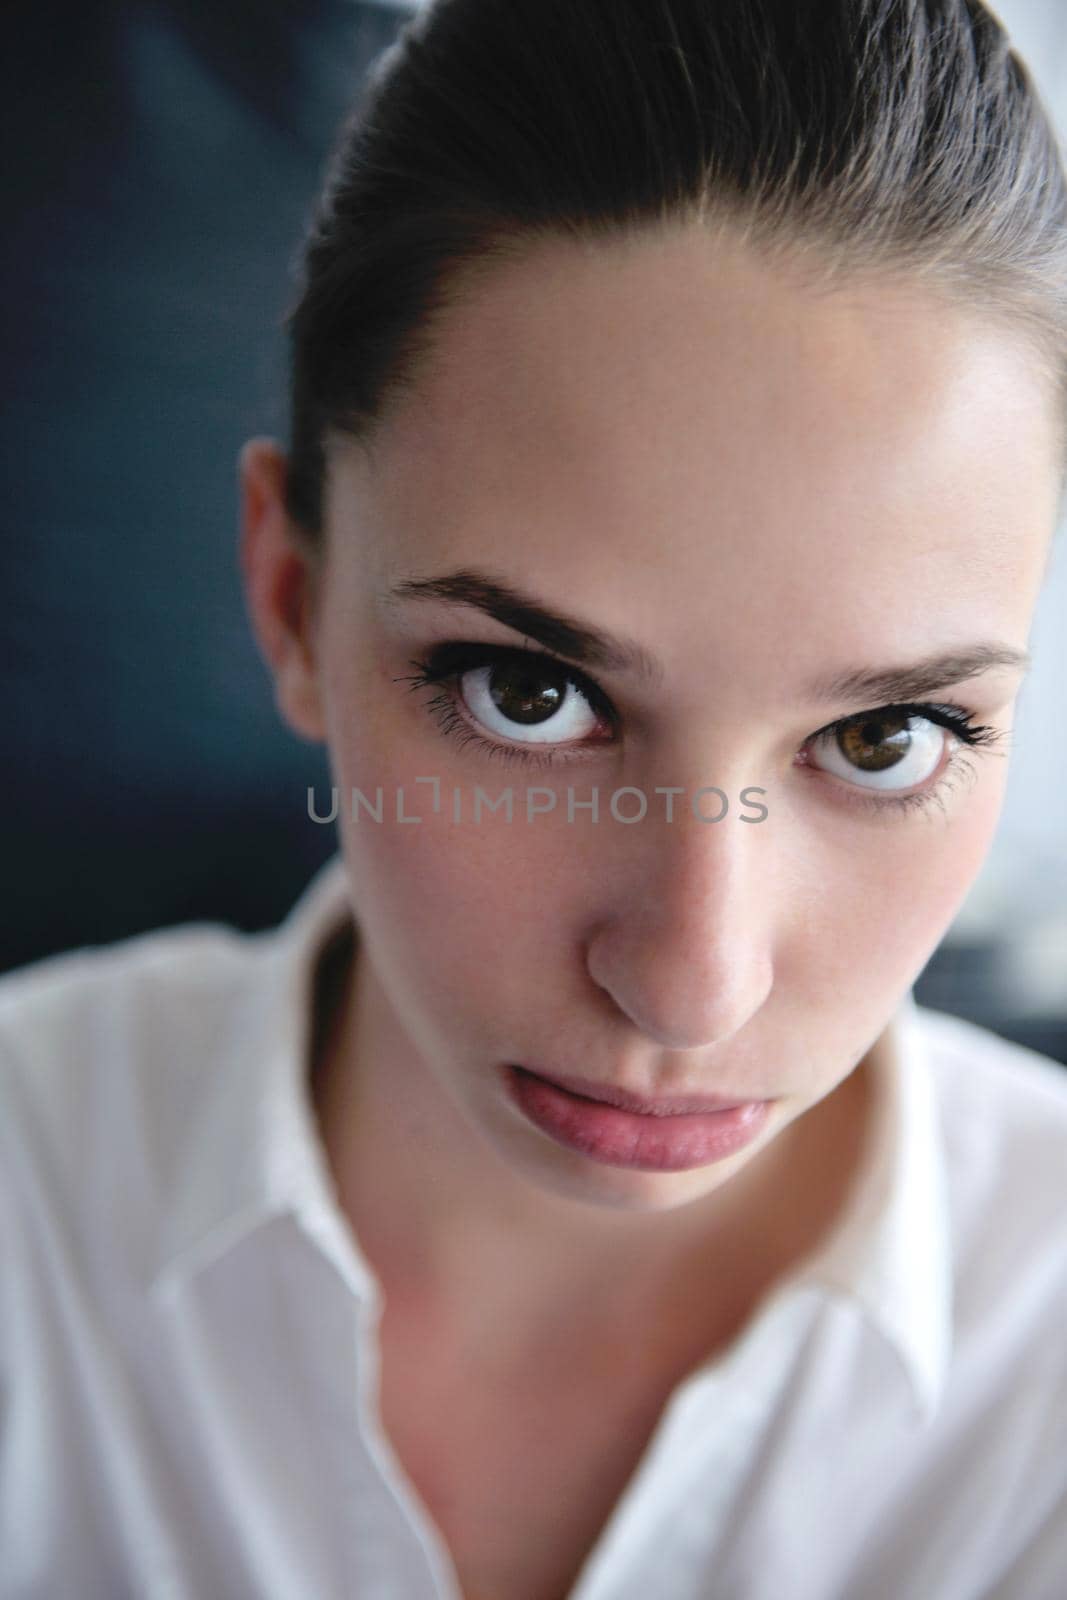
(901,134)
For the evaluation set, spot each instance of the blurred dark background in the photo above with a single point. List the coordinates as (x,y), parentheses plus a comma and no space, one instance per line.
(161,160)
(161,157)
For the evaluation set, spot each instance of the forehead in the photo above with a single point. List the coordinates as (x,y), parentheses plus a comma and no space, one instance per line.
(588,410)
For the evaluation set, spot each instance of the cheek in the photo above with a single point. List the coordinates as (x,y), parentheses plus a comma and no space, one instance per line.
(463,917)
(889,898)
(465,908)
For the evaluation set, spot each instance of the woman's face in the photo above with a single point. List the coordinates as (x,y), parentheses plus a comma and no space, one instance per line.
(773,502)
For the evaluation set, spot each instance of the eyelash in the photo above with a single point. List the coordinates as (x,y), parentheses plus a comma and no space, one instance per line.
(446,663)
(969,734)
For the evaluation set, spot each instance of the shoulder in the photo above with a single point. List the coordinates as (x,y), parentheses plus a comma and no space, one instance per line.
(994,1096)
(1001,1112)
(90,1014)
(104,1052)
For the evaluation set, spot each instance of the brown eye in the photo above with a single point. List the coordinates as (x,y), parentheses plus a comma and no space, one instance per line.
(877,742)
(881,750)
(527,702)
(524,694)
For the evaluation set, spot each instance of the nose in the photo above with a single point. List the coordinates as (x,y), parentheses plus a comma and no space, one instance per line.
(686,951)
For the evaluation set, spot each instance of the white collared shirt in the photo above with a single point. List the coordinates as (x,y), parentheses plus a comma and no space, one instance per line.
(188,1328)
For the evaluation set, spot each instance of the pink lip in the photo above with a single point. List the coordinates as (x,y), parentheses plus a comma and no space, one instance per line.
(610,1094)
(664,1135)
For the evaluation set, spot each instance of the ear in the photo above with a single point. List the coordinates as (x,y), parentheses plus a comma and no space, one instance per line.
(280,570)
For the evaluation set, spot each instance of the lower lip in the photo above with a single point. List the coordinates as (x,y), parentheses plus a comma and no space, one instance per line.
(633,1139)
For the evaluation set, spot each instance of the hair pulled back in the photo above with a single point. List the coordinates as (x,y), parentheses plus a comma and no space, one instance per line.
(885,134)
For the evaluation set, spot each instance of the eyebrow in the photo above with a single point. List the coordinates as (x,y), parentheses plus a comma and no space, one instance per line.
(565,635)
(922,677)
(590,647)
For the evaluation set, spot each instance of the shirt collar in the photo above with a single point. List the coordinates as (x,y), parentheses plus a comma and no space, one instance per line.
(889,1253)
(251,1149)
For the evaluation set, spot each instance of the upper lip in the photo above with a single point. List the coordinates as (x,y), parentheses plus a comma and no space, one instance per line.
(667,1105)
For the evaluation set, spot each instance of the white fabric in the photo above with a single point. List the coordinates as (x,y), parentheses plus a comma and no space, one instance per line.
(188,1327)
